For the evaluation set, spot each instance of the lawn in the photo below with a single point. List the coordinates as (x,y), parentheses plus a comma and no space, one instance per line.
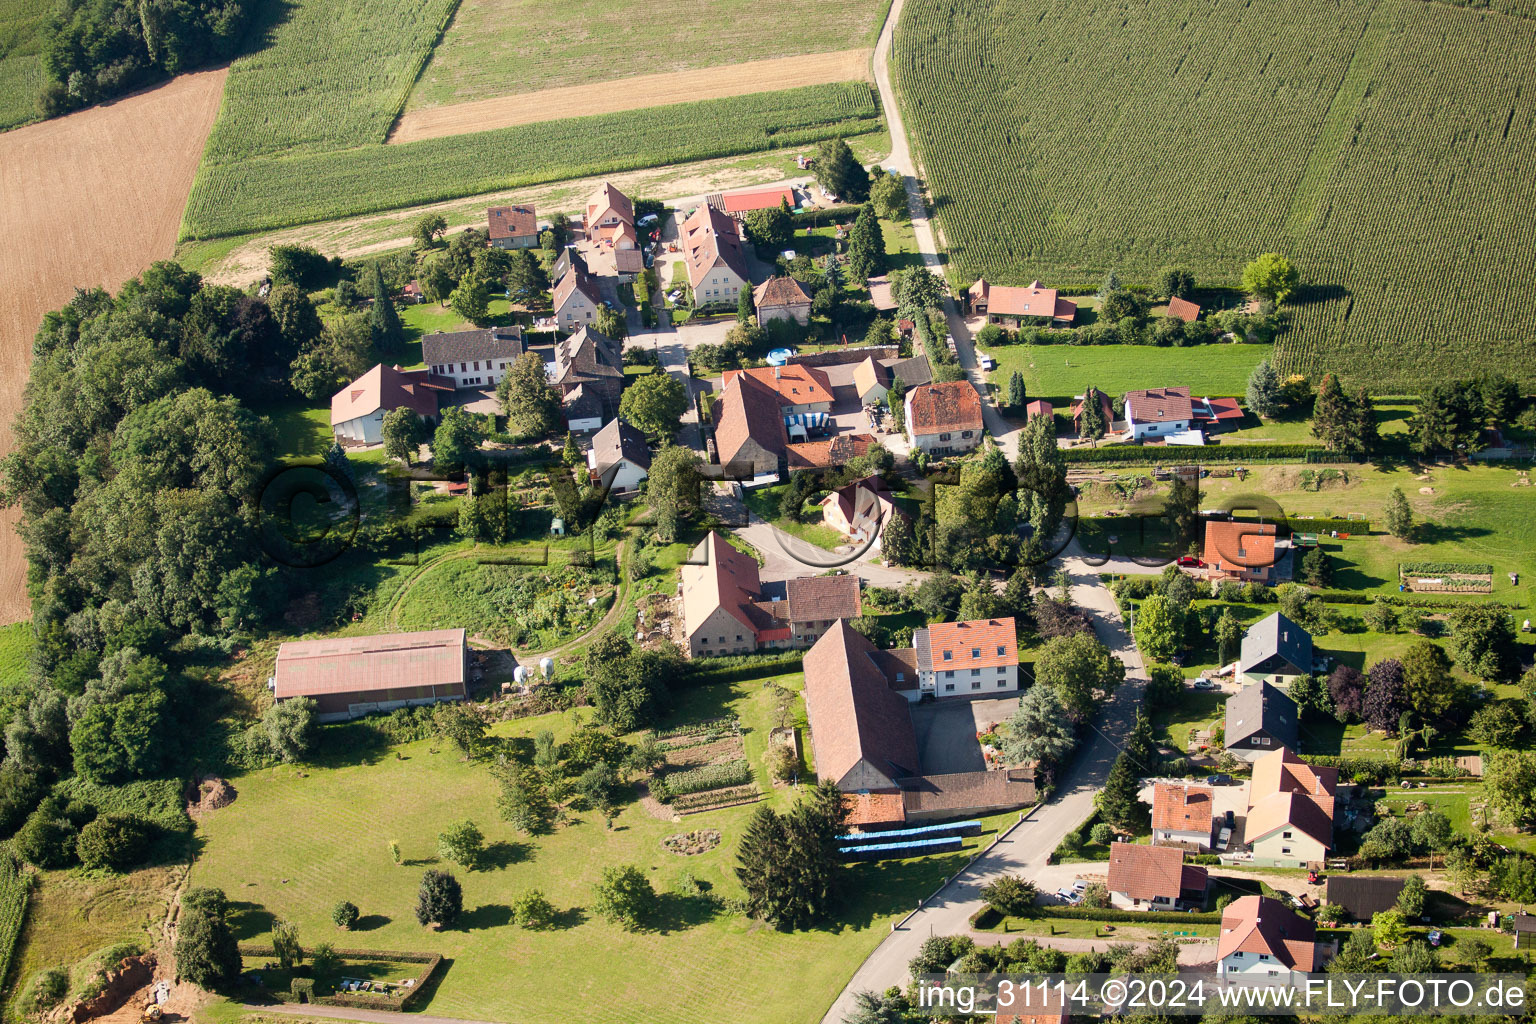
(1391,418)
(1057,372)
(15,652)
(1084,161)
(764,503)
(500,49)
(299,839)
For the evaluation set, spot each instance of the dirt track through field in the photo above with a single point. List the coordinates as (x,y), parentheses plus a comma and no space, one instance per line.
(89,199)
(632,94)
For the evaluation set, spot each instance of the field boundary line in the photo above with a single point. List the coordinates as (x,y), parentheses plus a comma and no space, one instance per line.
(634,93)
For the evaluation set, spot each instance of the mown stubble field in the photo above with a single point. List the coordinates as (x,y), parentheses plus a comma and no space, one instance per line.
(90,199)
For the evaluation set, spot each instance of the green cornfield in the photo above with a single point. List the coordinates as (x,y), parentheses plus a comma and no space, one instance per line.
(1385,145)
(21,61)
(278,191)
(15,893)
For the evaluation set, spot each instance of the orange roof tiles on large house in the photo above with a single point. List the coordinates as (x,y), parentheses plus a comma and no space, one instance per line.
(718,577)
(834,451)
(352,674)
(709,239)
(1181,808)
(1286,792)
(1149,873)
(1260,926)
(1159,405)
(934,408)
(795,384)
(978,643)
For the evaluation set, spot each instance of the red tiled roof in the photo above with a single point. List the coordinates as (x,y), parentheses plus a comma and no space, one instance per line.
(385,387)
(836,451)
(709,238)
(874,809)
(939,407)
(853,713)
(1017,1016)
(978,643)
(1149,872)
(512,221)
(780,291)
(1214,410)
(795,384)
(1038,408)
(964,792)
(1258,924)
(1105,405)
(573,281)
(748,408)
(1158,405)
(1285,790)
(819,598)
(353,664)
(757,199)
(1183,309)
(609,200)
(1239,546)
(1180,808)
(1004,300)
(719,576)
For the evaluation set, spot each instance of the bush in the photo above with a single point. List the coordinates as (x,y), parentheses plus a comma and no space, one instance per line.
(344,914)
(532,910)
(1102,834)
(625,897)
(115,841)
(440,899)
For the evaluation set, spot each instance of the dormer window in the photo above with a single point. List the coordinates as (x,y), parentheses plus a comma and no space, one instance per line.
(949,655)
(975,652)
(999,650)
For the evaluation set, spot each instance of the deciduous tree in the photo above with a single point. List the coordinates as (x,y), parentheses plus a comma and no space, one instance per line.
(1270,276)
(655,404)
(1081,670)
(840,172)
(625,897)
(528,400)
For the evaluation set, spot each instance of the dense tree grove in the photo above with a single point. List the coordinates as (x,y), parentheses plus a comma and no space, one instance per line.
(97,49)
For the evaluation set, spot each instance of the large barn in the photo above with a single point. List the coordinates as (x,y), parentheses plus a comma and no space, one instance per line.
(348,676)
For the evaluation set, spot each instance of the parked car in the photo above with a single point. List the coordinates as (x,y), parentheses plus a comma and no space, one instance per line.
(1204,684)
(1219,779)
(1191,562)
(1223,838)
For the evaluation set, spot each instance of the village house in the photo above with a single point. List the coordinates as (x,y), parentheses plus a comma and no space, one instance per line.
(1158,412)
(472,359)
(619,459)
(348,676)
(863,739)
(800,389)
(717,265)
(1154,878)
(513,227)
(1260,719)
(576,300)
(1275,650)
(570,258)
(727,610)
(611,218)
(782,298)
(1263,940)
(357,410)
(873,378)
(1183,816)
(1017,307)
(944,419)
(750,439)
(1244,551)
(860,509)
(1290,811)
(590,361)
(979,658)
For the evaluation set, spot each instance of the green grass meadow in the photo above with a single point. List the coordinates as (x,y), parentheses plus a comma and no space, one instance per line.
(501,49)
(297,840)
(1379,143)
(1057,372)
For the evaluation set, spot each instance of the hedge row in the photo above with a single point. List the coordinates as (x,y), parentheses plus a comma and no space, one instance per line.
(703,671)
(1157,455)
(1136,916)
(402,1001)
(15,894)
(387,955)
(1445,568)
(1401,600)
(1323,525)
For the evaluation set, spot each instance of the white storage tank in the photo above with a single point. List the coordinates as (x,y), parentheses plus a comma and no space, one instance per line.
(546,666)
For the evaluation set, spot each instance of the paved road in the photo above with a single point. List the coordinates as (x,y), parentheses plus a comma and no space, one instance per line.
(1006,434)
(1024,848)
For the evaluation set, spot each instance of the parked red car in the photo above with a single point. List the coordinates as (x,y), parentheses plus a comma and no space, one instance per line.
(1191,562)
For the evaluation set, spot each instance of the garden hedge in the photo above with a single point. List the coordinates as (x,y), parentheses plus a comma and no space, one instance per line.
(1153,455)
(1445,569)
(702,671)
(432,962)
(1125,916)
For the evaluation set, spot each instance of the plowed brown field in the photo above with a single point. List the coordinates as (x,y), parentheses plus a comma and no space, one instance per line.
(632,94)
(89,199)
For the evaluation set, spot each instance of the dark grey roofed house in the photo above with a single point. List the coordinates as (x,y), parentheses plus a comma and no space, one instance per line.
(913,372)
(1275,649)
(568,256)
(1260,719)
(618,442)
(486,343)
(1363,895)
